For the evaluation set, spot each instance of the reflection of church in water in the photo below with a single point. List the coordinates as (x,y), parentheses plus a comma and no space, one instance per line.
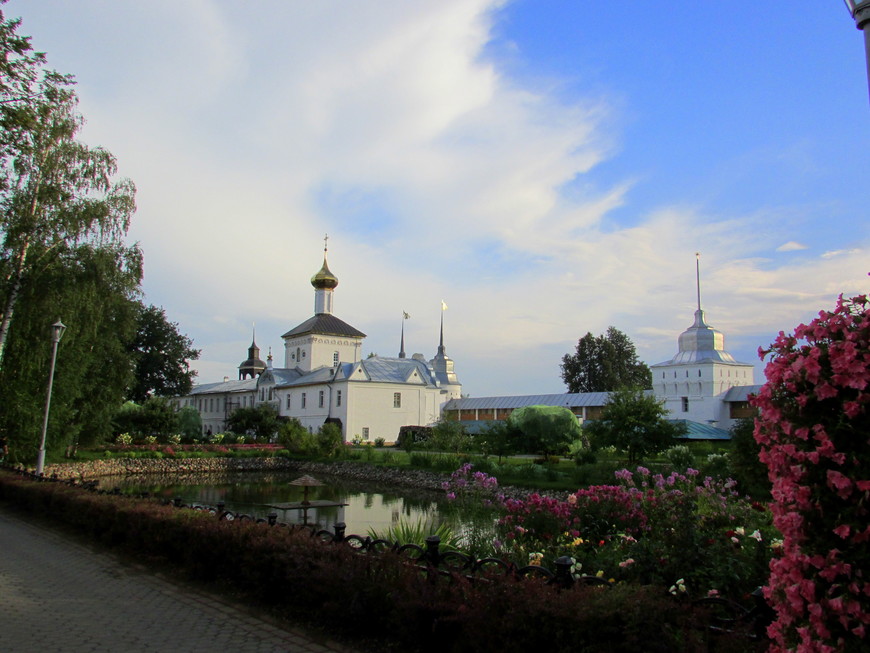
(325,379)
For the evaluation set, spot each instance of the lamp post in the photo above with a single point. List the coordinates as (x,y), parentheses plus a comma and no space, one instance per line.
(57,330)
(860,10)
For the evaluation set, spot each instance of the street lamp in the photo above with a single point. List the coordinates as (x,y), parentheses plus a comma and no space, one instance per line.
(57,330)
(860,10)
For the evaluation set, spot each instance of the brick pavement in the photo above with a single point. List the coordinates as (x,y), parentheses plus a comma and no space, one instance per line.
(59,595)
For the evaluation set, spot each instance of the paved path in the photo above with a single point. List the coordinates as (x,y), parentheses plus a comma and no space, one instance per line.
(59,595)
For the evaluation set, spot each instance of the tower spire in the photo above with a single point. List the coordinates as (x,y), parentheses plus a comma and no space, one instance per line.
(698,277)
(405,316)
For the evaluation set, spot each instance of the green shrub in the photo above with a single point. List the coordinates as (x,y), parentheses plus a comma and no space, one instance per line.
(380,442)
(680,457)
(420,460)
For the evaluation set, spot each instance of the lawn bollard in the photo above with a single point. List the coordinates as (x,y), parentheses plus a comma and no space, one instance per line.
(433,556)
(272,517)
(563,577)
(340,528)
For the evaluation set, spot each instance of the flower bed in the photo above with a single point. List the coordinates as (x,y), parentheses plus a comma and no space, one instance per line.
(370,596)
(694,535)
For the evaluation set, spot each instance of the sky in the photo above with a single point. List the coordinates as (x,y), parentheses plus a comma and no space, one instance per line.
(546,168)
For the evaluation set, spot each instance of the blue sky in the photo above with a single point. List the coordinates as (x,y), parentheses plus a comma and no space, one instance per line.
(547,168)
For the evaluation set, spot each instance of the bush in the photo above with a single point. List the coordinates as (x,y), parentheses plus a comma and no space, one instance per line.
(813,428)
(296,438)
(329,440)
(581,454)
(371,597)
(680,457)
(380,442)
(412,436)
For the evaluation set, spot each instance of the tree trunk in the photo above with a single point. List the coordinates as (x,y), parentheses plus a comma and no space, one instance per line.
(14,290)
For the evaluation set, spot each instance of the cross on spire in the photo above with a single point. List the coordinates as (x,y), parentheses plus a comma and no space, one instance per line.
(325,241)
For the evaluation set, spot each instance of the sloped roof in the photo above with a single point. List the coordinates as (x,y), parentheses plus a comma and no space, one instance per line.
(568,399)
(246,385)
(395,370)
(282,375)
(741,392)
(326,324)
(699,431)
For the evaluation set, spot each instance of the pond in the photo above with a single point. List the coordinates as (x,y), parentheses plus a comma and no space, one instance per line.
(365,505)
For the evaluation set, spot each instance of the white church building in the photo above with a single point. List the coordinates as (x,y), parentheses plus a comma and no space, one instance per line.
(325,379)
(702,386)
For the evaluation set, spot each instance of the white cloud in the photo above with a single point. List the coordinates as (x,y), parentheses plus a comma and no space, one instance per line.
(791,246)
(252,130)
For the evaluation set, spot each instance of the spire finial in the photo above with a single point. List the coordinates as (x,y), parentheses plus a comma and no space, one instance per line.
(698,277)
(405,316)
(325,242)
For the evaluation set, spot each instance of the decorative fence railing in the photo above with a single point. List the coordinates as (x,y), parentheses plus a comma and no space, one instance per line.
(725,616)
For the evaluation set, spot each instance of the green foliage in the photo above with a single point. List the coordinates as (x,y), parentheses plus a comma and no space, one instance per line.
(581,453)
(261,421)
(63,218)
(296,438)
(412,436)
(158,418)
(190,423)
(405,532)
(498,438)
(91,288)
(545,429)
(634,422)
(603,364)
(127,418)
(161,355)
(745,464)
(680,457)
(329,440)
(449,436)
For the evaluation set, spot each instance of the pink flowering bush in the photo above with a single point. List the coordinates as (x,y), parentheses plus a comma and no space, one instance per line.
(814,433)
(649,529)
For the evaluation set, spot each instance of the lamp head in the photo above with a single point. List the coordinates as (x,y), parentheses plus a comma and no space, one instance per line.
(57,330)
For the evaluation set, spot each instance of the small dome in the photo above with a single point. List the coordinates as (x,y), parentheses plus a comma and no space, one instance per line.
(324,279)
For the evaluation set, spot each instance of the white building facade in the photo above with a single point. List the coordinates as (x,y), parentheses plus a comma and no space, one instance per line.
(325,379)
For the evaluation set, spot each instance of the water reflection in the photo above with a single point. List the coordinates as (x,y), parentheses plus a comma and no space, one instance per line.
(367,506)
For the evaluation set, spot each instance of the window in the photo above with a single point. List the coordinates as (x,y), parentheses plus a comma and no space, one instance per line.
(335,359)
(365,434)
(288,401)
(338,398)
(262,393)
(397,400)
(298,354)
(320,399)
(303,400)
(685,402)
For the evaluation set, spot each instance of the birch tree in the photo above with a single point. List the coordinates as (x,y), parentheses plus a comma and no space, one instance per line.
(55,192)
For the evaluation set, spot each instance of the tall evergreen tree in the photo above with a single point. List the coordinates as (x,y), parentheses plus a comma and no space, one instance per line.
(605,363)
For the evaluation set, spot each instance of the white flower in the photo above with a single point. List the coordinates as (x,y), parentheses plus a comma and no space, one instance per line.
(756,535)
